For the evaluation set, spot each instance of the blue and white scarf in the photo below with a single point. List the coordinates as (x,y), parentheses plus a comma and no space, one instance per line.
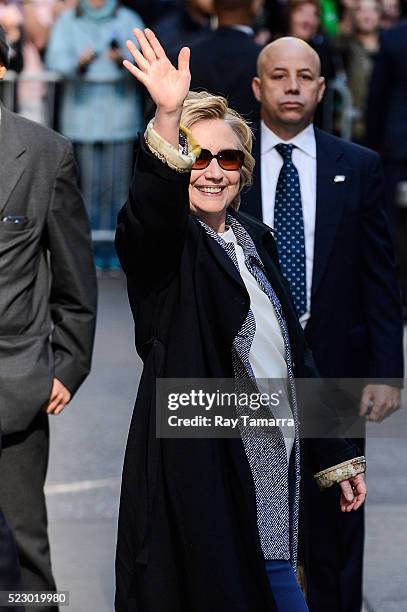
(277,484)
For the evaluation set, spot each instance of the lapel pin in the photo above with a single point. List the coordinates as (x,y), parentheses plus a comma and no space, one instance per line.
(339,178)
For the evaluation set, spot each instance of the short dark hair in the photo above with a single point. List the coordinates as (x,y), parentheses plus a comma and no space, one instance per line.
(4,49)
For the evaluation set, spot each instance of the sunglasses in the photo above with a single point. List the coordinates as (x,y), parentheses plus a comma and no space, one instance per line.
(228,159)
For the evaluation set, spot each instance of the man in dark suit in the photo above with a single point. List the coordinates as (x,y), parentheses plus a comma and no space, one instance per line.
(387,132)
(224,62)
(47,319)
(324,197)
(187,24)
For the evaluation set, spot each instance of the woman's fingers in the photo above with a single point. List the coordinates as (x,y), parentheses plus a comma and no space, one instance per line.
(353,493)
(346,505)
(155,43)
(347,490)
(139,58)
(360,500)
(183,60)
(136,72)
(145,46)
(347,498)
(360,490)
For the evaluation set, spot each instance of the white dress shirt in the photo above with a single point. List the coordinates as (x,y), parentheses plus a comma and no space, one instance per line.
(267,353)
(304,158)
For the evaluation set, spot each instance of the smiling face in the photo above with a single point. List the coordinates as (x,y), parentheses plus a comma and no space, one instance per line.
(289,85)
(212,190)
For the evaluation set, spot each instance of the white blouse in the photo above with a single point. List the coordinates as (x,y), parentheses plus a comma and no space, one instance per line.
(267,353)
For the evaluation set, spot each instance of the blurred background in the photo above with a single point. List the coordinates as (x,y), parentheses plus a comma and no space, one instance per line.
(66,73)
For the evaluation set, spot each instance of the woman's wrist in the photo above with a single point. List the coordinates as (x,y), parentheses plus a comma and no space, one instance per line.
(338,473)
(178,158)
(166,124)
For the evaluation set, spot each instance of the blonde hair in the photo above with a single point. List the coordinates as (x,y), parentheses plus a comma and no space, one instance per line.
(201,106)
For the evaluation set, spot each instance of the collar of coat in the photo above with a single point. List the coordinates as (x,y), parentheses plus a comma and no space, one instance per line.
(242,235)
(255,228)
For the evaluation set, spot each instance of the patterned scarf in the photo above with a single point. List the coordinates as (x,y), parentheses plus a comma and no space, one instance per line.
(277,484)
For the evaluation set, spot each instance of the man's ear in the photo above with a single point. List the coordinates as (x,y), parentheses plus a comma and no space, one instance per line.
(3,71)
(256,88)
(322,87)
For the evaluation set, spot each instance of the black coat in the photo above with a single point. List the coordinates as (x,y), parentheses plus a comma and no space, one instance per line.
(187,536)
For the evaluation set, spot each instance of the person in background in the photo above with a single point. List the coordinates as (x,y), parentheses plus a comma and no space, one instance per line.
(391,14)
(358,51)
(275,17)
(151,11)
(224,62)
(339,262)
(387,133)
(209,524)
(39,16)
(304,22)
(346,9)
(11,20)
(101,108)
(190,24)
(47,322)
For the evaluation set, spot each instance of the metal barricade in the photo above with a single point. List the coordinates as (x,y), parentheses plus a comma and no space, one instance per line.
(338,110)
(48,82)
(105,167)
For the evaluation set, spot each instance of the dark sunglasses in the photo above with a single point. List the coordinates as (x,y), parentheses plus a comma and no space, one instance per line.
(228,159)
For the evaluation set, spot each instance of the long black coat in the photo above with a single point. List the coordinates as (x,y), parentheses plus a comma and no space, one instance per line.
(187,537)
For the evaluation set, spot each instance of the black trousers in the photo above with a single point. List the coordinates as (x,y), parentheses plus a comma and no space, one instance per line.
(23,469)
(335,543)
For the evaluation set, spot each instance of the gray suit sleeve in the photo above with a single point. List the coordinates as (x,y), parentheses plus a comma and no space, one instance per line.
(73,292)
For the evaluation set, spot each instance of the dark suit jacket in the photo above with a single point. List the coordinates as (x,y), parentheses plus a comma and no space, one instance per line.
(224,62)
(355,328)
(179,29)
(387,102)
(47,277)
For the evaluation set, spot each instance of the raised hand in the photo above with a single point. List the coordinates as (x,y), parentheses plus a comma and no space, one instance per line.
(167,85)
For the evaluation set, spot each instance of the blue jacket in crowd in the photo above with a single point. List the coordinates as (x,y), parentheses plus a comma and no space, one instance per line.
(94,111)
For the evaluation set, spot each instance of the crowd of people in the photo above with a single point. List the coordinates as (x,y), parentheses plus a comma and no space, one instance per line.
(214,522)
(83,42)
